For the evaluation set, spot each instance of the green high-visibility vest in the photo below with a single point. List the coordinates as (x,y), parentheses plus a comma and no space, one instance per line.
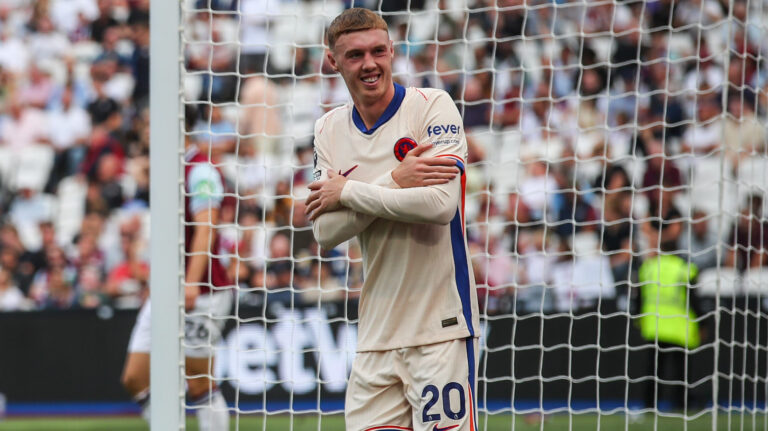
(666,313)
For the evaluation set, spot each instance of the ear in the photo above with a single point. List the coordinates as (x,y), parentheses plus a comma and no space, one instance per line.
(391,48)
(331,60)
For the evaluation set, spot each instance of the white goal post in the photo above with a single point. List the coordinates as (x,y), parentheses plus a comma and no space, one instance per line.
(616,203)
(166,212)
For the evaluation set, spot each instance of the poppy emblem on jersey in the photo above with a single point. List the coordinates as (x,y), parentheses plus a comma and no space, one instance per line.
(402,146)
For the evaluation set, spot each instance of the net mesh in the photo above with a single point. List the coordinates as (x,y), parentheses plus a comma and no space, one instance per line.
(615,200)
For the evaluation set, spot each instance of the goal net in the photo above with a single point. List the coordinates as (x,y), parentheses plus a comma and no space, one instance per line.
(615,203)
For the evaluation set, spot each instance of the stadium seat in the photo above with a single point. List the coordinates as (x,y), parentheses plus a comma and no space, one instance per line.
(33,165)
(7,166)
(603,47)
(752,177)
(507,172)
(585,243)
(71,209)
(756,281)
(730,282)
(705,185)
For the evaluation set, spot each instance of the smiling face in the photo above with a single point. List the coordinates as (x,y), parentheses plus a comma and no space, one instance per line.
(364,60)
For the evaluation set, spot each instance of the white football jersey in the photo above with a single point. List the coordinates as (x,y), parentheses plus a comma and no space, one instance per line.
(419,287)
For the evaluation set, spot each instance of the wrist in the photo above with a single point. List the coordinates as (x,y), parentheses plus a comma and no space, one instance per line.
(392,182)
(393,176)
(346,190)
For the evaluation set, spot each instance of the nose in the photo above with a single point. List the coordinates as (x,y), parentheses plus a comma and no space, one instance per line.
(368,62)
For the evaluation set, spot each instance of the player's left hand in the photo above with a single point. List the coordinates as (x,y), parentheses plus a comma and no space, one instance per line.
(325,195)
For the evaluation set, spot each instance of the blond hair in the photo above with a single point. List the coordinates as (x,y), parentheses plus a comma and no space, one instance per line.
(354,19)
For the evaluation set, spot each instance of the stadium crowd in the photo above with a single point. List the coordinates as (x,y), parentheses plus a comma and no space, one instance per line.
(597,131)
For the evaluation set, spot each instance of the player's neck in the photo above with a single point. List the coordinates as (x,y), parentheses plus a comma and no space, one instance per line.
(371,110)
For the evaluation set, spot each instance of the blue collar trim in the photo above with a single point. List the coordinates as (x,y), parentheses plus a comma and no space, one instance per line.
(391,110)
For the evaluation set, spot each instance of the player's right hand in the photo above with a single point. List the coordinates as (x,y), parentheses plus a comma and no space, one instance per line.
(417,171)
(191,292)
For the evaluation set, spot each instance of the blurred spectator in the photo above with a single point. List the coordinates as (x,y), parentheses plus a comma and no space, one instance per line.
(89,286)
(127,283)
(104,21)
(105,192)
(664,106)
(102,143)
(24,126)
(580,279)
(478,91)
(321,285)
(666,223)
(748,236)
(497,271)
(744,135)
(38,90)
(572,209)
(244,241)
(28,209)
(545,123)
(698,12)
(706,134)
(662,176)
(538,189)
(260,116)
(699,241)
(140,57)
(14,53)
(86,252)
(214,134)
(31,261)
(101,107)
(669,309)
(9,261)
(537,255)
(508,113)
(70,128)
(52,286)
(255,16)
(45,43)
(11,297)
(68,14)
(617,230)
(215,60)
(280,267)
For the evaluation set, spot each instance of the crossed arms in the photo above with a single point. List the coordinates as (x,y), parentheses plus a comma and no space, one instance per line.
(419,190)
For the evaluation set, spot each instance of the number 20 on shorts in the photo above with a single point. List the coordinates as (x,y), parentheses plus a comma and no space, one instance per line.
(434,395)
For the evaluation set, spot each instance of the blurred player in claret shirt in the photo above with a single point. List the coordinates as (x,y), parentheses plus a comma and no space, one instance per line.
(206,292)
(389,169)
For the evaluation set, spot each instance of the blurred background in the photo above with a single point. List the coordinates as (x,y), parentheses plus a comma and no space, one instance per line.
(601,134)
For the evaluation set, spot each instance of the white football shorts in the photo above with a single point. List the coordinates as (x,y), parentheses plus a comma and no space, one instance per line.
(202,325)
(423,388)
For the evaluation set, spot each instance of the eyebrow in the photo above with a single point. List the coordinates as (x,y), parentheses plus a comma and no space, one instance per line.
(358,50)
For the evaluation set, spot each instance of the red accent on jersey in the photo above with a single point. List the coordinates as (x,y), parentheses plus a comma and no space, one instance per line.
(215,273)
(472,424)
(422,94)
(349,171)
(322,127)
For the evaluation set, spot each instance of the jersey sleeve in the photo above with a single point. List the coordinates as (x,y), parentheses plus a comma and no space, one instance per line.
(442,127)
(335,227)
(205,188)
